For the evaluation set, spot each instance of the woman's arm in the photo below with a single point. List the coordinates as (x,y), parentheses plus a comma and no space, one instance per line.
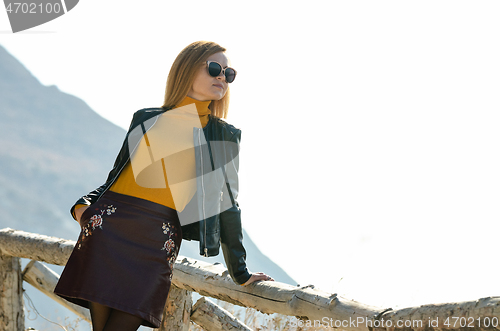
(233,250)
(231,229)
(87,200)
(79,210)
(122,156)
(232,245)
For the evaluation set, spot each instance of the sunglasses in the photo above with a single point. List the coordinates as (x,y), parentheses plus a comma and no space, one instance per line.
(214,70)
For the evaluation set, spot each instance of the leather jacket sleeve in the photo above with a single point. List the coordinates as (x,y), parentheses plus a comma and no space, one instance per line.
(88,199)
(92,196)
(230,221)
(232,245)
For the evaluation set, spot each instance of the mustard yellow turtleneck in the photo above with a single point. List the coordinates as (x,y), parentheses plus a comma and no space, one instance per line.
(149,174)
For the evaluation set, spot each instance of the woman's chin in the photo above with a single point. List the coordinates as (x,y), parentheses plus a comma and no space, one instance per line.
(216,97)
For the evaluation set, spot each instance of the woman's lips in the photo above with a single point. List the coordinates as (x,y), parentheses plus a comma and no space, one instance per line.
(219,86)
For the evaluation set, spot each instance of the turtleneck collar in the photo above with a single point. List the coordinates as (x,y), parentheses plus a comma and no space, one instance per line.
(201,106)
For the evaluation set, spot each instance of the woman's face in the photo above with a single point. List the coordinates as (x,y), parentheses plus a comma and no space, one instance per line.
(206,87)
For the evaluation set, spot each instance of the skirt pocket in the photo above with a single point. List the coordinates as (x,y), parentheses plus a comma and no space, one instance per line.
(85,215)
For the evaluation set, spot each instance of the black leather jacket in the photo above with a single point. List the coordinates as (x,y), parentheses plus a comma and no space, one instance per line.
(213,216)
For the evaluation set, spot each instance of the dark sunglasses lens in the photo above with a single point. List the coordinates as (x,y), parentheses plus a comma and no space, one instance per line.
(214,69)
(230,75)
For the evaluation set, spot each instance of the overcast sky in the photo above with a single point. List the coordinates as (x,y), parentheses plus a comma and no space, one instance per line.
(370,144)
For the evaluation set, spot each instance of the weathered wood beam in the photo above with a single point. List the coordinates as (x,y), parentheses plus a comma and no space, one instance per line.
(45,280)
(212,317)
(35,246)
(177,312)
(210,280)
(11,294)
(482,314)
(268,297)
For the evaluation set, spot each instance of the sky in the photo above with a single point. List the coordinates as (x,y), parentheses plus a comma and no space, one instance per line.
(370,143)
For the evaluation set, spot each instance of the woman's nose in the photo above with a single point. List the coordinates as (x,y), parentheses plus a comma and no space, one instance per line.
(221,77)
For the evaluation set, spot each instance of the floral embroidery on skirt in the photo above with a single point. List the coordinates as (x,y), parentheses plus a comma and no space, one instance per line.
(169,245)
(95,222)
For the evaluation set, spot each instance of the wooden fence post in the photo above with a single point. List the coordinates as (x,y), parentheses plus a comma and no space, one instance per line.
(177,312)
(11,295)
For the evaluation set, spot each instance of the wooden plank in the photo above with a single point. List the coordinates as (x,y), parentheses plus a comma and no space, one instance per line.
(482,314)
(45,280)
(35,246)
(212,317)
(268,297)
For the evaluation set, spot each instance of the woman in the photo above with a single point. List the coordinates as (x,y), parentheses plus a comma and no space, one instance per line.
(175,177)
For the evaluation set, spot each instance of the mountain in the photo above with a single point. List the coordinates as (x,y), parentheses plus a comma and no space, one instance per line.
(53,149)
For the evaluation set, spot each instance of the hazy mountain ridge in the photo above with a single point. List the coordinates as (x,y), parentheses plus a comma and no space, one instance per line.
(46,150)
(53,149)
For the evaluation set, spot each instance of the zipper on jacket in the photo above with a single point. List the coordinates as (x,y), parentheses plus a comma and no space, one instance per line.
(203,195)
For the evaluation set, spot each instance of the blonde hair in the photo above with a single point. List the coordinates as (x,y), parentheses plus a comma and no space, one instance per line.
(182,74)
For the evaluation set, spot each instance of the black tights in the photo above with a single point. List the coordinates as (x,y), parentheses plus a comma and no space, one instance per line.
(108,319)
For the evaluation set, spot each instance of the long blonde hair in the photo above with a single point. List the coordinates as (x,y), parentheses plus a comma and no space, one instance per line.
(182,75)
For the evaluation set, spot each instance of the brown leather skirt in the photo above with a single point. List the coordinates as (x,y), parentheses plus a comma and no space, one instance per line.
(124,257)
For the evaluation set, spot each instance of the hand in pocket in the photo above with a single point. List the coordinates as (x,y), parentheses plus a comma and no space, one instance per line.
(79,212)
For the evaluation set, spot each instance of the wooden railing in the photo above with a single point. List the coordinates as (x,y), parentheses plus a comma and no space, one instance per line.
(311,306)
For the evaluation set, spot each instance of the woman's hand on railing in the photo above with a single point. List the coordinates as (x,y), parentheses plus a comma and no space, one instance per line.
(258,276)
